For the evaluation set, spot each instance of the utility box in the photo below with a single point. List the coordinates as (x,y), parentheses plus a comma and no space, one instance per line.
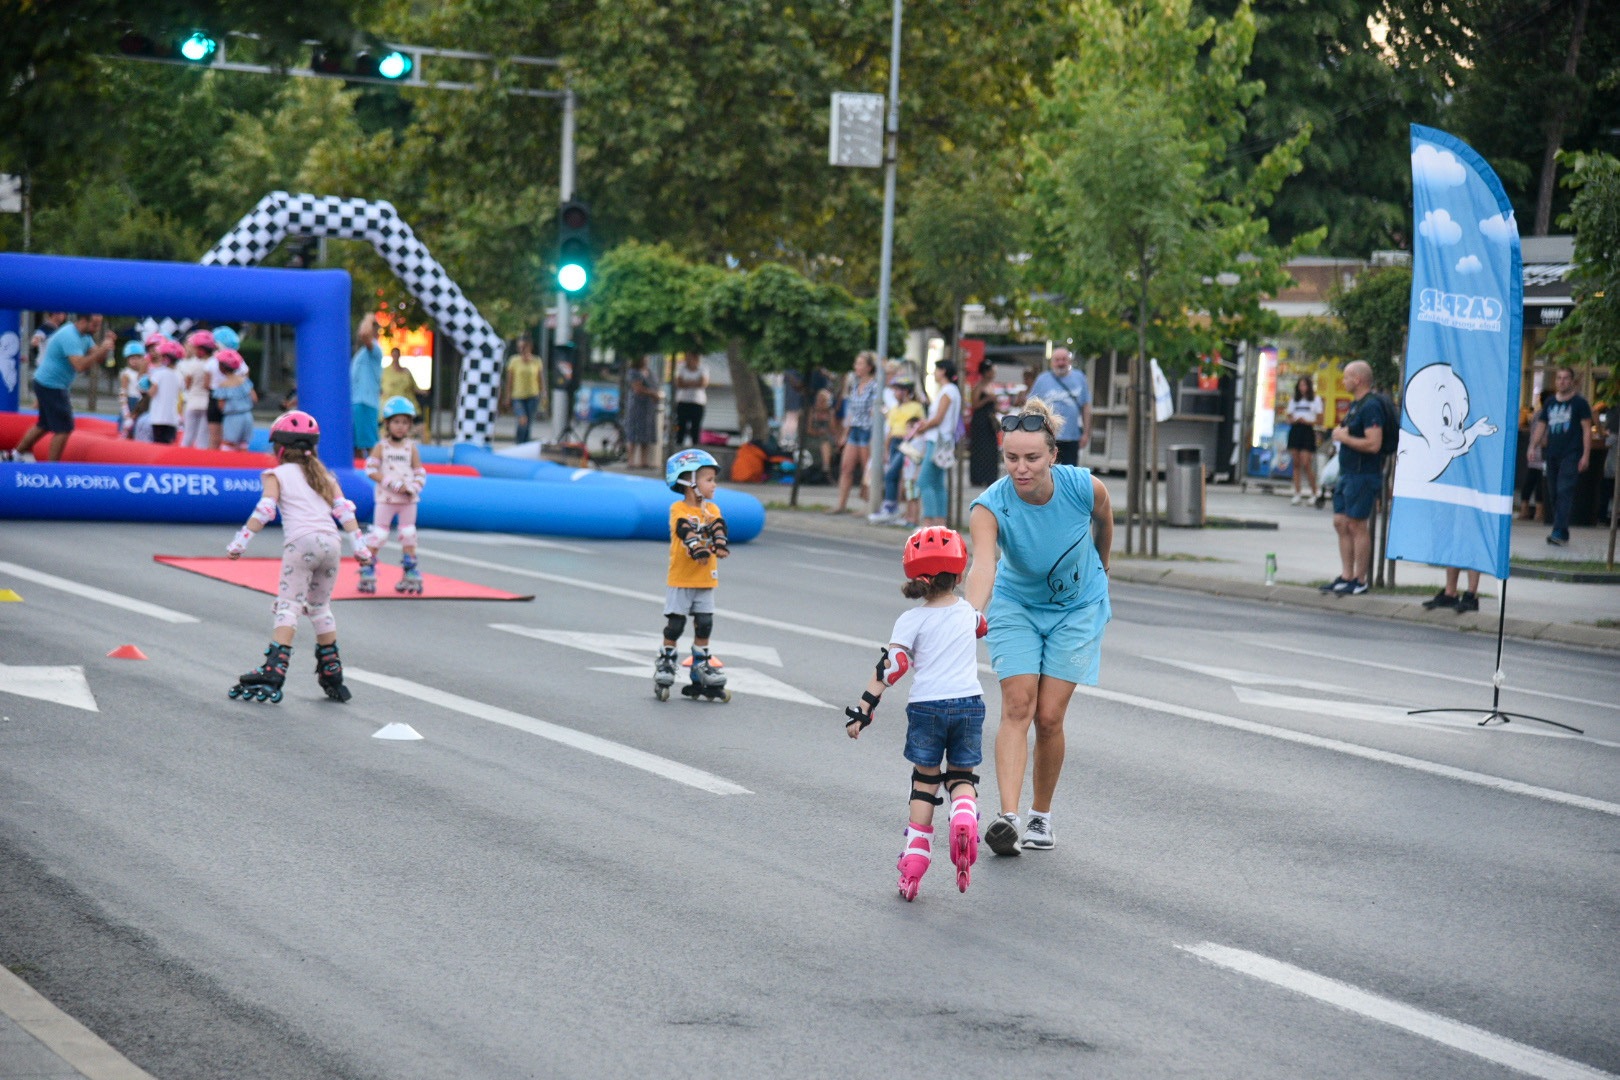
(1184,483)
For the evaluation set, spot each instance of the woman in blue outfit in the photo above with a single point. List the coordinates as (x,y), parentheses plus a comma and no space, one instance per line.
(1052,527)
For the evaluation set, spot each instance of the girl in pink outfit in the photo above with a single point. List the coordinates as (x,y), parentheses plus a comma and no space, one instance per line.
(937,643)
(312,506)
(396,467)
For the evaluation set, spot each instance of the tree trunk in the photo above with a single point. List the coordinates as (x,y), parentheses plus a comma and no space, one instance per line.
(751,414)
(1556,123)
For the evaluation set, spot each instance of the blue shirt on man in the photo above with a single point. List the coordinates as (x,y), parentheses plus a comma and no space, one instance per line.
(1066,396)
(56,369)
(365,376)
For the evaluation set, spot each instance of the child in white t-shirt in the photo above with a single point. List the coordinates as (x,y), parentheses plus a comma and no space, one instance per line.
(937,642)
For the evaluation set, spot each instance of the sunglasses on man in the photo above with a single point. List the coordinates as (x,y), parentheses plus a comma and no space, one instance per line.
(1023,422)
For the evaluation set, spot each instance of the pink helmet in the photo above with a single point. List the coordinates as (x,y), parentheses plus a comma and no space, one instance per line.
(154,339)
(295,429)
(229,360)
(202,339)
(172,349)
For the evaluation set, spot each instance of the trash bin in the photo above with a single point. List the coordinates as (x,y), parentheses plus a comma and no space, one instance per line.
(1184,483)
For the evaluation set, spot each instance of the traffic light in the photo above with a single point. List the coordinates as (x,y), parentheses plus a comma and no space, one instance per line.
(573,246)
(390,65)
(197,47)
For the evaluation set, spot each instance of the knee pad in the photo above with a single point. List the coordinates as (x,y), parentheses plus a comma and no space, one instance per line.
(321,619)
(286,613)
(702,623)
(919,777)
(674,625)
(407,535)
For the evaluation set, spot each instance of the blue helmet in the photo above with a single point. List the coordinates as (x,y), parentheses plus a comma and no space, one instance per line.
(687,461)
(399,406)
(134,348)
(227,338)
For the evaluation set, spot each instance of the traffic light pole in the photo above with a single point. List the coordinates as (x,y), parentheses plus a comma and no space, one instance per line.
(565,192)
(891,155)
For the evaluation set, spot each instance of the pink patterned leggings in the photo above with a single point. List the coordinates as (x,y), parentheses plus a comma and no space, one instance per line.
(309,567)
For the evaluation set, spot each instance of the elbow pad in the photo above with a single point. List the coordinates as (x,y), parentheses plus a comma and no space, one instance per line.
(342,510)
(892,667)
(264,512)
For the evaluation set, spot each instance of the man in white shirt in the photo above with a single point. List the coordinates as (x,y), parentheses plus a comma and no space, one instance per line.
(1069,394)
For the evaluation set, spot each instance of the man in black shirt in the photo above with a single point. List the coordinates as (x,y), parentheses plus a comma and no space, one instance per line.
(1361,479)
(1564,428)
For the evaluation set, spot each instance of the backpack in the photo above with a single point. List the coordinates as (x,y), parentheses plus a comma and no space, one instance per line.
(1391,426)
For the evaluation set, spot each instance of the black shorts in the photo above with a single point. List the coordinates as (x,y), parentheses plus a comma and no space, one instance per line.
(1068,453)
(216,413)
(1302,437)
(55,409)
(163,433)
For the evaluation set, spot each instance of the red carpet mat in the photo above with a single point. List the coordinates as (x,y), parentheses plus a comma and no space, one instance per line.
(264,575)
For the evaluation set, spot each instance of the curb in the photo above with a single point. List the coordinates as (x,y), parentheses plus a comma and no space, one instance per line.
(1573,577)
(75,1044)
(803,523)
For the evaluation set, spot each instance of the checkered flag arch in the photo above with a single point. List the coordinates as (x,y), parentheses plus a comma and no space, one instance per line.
(279,214)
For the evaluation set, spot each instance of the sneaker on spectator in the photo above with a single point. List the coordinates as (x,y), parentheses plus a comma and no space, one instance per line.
(1467,602)
(1442,599)
(1333,586)
(1354,588)
(1296,500)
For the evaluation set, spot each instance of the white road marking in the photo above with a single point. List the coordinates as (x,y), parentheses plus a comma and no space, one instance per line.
(63,685)
(1397,716)
(1254,678)
(100,596)
(638,650)
(1465,1037)
(503,540)
(1417,764)
(1431,674)
(579,740)
(1467,776)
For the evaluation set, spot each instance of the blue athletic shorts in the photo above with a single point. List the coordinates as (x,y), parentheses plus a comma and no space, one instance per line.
(1065,644)
(1355,494)
(951,730)
(365,426)
(55,409)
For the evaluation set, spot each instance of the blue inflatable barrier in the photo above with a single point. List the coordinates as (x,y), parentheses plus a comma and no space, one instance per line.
(60,492)
(494,505)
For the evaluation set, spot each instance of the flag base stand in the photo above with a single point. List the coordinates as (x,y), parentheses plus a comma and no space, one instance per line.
(1497,715)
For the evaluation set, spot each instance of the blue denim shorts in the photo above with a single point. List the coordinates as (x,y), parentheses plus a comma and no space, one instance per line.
(860,436)
(949,730)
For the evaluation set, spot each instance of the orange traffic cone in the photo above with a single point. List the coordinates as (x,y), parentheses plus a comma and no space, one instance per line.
(127,652)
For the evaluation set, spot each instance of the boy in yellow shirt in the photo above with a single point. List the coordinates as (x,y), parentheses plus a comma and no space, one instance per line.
(697,542)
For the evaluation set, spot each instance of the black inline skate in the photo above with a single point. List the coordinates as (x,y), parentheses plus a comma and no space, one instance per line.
(329,670)
(708,678)
(664,674)
(264,683)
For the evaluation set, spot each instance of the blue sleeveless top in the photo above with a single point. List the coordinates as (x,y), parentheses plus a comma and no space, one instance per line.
(1048,558)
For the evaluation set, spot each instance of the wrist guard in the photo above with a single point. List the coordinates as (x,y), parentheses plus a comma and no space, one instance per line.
(357,542)
(240,541)
(718,540)
(862,716)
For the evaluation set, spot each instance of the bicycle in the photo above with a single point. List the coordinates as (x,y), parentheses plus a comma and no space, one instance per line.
(595,425)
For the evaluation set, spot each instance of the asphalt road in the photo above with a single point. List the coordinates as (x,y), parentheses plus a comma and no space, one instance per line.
(1264,867)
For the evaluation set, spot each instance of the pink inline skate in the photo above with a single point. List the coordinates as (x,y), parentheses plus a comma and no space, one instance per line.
(914,860)
(964,838)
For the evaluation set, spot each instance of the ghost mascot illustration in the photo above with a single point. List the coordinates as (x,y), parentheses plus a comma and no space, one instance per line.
(1437,402)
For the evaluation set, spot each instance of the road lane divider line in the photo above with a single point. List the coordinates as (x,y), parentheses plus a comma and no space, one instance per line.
(1482,684)
(579,740)
(1496,783)
(100,596)
(1459,1036)
(1367,753)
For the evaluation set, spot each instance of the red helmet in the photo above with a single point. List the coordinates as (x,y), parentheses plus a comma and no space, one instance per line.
(934,550)
(295,429)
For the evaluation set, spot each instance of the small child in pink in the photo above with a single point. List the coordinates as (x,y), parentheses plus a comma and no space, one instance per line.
(396,467)
(937,642)
(312,506)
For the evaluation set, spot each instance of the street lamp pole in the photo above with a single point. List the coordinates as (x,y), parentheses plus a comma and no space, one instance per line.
(891,155)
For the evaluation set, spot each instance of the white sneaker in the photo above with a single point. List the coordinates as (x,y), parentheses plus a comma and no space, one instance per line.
(1002,835)
(1296,500)
(1038,834)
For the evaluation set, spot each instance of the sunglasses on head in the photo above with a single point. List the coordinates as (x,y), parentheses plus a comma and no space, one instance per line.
(1023,422)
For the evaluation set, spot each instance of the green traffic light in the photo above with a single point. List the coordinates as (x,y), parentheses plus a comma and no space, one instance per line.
(571,277)
(395,65)
(198,48)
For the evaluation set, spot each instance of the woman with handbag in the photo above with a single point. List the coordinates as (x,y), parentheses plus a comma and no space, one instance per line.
(939,435)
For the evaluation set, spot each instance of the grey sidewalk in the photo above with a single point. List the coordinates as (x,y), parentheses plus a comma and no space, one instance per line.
(38,1041)
(1231,562)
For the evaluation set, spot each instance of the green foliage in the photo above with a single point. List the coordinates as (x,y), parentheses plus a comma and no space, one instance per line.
(647,299)
(1139,214)
(960,234)
(1369,323)
(787,322)
(1590,335)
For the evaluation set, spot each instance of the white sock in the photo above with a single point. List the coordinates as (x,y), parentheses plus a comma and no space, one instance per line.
(1046,818)
(1013,817)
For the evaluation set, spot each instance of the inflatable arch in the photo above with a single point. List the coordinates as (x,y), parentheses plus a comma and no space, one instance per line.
(279,214)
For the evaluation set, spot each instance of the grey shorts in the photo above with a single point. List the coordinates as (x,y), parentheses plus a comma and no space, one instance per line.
(688,601)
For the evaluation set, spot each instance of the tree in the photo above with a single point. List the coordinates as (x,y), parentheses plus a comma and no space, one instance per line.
(959,235)
(1590,335)
(647,299)
(1369,322)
